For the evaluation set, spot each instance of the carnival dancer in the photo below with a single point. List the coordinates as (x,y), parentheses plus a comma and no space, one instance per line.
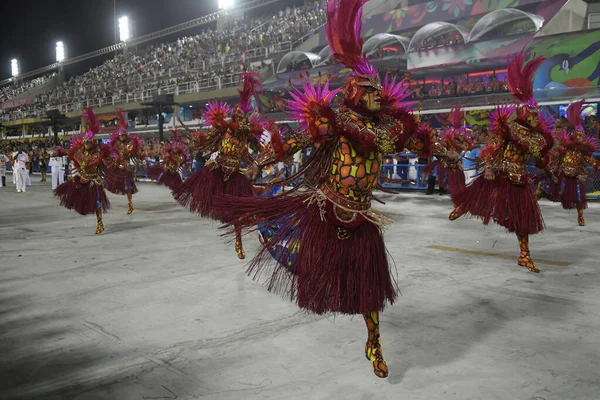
(130,148)
(504,193)
(574,153)
(174,160)
(57,163)
(231,138)
(329,231)
(454,138)
(85,192)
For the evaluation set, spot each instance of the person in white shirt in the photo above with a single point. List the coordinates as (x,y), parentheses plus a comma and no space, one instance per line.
(3,160)
(20,171)
(58,162)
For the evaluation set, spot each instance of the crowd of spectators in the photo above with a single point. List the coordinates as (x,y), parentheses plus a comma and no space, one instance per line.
(459,86)
(16,88)
(209,59)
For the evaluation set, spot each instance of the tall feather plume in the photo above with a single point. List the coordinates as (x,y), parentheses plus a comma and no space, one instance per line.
(344,23)
(574,113)
(251,83)
(123,123)
(93,125)
(455,117)
(520,77)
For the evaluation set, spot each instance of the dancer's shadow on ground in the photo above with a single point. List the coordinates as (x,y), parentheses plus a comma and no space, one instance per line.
(433,338)
(39,358)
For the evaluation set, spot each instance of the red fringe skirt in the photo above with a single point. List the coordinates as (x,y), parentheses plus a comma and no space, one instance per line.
(164,177)
(121,181)
(573,193)
(85,198)
(202,191)
(515,207)
(350,276)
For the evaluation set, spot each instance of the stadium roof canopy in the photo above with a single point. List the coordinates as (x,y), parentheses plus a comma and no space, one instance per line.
(497,18)
(434,29)
(382,40)
(296,57)
(324,55)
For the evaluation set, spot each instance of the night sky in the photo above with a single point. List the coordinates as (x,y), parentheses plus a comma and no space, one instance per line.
(31,28)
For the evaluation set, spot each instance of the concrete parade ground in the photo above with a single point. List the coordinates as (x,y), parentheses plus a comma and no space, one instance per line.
(160,307)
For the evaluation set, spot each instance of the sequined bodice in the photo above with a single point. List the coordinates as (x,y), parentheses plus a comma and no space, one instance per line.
(515,153)
(126,150)
(354,174)
(88,163)
(233,144)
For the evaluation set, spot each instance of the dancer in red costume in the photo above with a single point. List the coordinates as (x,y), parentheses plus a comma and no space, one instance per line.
(574,153)
(454,138)
(174,159)
(503,193)
(231,138)
(85,192)
(130,149)
(329,231)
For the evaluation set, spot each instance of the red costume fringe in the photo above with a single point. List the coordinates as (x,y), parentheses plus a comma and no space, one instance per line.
(164,177)
(573,195)
(350,276)
(82,197)
(202,192)
(120,181)
(514,207)
(154,171)
(456,179)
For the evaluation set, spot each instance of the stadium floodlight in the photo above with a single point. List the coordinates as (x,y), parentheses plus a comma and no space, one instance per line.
(225,4)
(124,31)
(14,66)
(60,51)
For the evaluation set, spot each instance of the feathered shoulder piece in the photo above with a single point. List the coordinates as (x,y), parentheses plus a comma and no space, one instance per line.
(394,93)
(585,143)
(344,23)
(251,81)
(216,113)
(574,114)
(520,77)
(499,119)
(310,102)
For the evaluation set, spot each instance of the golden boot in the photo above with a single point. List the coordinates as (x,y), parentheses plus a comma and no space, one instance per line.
(239,249)
(580,219)
(525,258)
(373,346)
(100,226)
(130,203)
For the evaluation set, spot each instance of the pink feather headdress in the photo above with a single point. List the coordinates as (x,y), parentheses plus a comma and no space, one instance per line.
(122,124)
(574,114)
(344,23)
(92,124)
(251,83)
(520,77)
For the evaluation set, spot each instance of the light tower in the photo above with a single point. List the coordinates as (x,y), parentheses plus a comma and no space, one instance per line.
(60,52)
(124,29)
(14,67)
